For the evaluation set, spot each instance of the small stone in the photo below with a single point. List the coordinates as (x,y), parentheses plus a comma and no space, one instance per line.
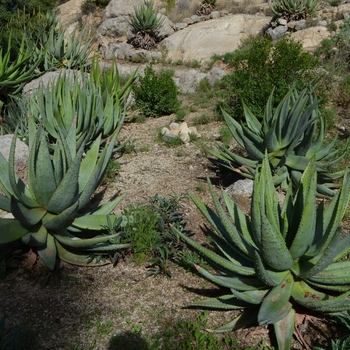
(174,126)
(165,131)
(183,126)
(168,137)
(322,23)
(282,21)
(180,26)
(299,25)
(214,15)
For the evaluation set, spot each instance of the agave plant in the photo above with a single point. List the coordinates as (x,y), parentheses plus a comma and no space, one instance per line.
(288,137)
(15,74)
(97,102)
(146,19)
(47,214)
(280,256)
(294,9)
(64,50)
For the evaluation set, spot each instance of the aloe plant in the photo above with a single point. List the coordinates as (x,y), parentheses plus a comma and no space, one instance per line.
(15,74)
(97,102)
(146,19)
(288,136)
(280,256)
(47,214)
(294,9)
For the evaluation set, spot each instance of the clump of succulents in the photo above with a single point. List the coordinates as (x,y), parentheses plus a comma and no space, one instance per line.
(145,23)
(206,7)
(96,102)
(48,212)
(294,9)
(291,135)
(280,256)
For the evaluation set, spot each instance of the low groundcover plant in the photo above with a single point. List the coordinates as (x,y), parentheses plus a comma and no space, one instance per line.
(280,256)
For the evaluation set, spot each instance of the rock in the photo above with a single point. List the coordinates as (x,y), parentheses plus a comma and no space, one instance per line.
(180,26)
(215,74)
(70,13)
(241,192)
(174,126)
(311,37)
(282,21)
(184,135)
(215,15)
(117,8)
(300,25)
(167,29)
(193,130)
(218,36)
(277,33)
(322,23)
(21,154)
(196,19)
(168,137)
(165,131)
(48,78)
(189,80)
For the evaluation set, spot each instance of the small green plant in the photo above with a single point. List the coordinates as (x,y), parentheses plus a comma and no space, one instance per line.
(112,169)
(340,344)
(225,135)
(88,6)
(294,9)
(180,114)
(202,119)
(156,94)
(286,136)
(335,2)
(279,256)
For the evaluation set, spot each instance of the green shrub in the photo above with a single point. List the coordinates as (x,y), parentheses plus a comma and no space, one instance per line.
(88,6)
(156,94)
(259,65)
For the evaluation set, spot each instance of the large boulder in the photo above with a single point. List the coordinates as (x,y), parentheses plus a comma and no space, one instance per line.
(218,36)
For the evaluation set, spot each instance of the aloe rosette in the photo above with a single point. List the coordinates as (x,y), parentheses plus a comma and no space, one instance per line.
(294,9)
(280,256)
(96,102)
(47,214)
(291,135)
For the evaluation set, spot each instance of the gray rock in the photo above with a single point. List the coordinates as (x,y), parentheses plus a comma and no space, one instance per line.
(117,8)
(180,26)
(277,33)
(21,154)
(300,25)
(113,28)
(282,21)
(119,51)
(196,19)
(189,80)
(187,20)
(167,29)
(214,15)
(322,23)
(215,74)
(241,192)
(169,137)
(48,78)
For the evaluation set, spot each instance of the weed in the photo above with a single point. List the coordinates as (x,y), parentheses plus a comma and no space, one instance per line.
(225,135)
(180,114)
(112,169)
(104,328)
(202,119)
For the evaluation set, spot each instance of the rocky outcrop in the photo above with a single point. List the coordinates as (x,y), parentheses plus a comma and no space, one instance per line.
(218,36)
(311,37)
